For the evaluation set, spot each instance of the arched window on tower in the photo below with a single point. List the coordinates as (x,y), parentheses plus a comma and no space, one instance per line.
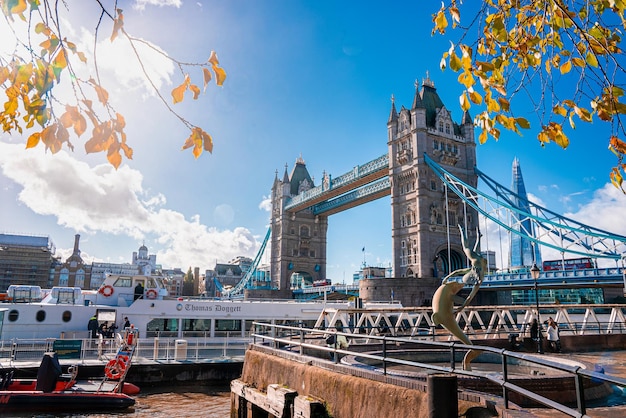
(304,231)
(440,126)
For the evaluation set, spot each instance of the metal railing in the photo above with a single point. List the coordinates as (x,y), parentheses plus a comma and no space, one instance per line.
(299,339)
(148,350)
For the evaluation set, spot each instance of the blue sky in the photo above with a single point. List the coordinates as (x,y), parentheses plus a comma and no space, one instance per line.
(310,79)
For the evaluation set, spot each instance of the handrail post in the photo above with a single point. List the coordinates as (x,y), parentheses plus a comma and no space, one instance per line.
(505,378)
(301,339)
(384,356)
(452,355)
(580,394)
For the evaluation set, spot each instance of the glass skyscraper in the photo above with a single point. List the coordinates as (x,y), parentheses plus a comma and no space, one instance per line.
(522,248)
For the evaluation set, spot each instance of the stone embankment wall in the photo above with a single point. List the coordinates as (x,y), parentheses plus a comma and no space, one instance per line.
(342,395)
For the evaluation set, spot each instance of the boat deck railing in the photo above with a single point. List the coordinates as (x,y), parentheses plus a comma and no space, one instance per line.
(387,353)
(90,351)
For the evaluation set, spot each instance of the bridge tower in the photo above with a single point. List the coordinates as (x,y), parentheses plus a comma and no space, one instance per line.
(298,240)
(425,237)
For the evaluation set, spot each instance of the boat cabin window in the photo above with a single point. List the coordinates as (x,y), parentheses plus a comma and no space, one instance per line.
(40,316)
(13,315)
(123,282)
(164,327)
(150,283)
(67,316)
(224,326)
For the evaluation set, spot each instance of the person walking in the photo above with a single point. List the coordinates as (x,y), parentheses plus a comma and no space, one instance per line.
(126,323)
(534,330)
(336,341)
(553,336)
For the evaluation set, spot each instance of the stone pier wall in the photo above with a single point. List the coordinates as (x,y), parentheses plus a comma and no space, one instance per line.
(342,395)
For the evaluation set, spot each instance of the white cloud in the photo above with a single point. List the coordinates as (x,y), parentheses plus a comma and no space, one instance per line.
(101,200)
(266,204)
(141,4)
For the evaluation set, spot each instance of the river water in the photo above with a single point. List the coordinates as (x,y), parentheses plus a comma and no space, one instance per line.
(166,402)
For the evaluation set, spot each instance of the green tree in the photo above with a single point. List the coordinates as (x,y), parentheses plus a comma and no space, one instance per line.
(188,283)
(541,48)
(31,74)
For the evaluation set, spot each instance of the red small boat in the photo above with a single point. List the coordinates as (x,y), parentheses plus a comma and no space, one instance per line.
(53,391)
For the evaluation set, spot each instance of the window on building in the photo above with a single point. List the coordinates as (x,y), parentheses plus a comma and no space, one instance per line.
(304,231)
(80,278)
(447,128)
(64,277)
(435,144)
(433,185)
(440,126)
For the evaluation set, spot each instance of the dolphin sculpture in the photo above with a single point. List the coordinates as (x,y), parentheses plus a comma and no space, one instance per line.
(444,313)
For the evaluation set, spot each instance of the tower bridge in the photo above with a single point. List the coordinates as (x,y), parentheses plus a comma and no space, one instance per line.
(430,174)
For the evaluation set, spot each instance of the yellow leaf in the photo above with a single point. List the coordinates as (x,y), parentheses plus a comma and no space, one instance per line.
(220,75)
(482,138)
(33,140)
(208,142)
(578,62)
(441,23)
(213,59)
(128,151)
(103,95)
(582,113)
(179,93)
(504,103)
(466,79)
(559,110)
(523,123)
(120,122)
(207,76)
(118,23)
(18,6)
(616,178)
(566,67)
(455,14)
(475,97)
(455,62)
(60,60)
(114,156)
(195,90)
(465,104)
(591,59)
(618,144)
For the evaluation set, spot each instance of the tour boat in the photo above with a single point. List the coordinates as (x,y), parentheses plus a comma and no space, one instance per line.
(63,312)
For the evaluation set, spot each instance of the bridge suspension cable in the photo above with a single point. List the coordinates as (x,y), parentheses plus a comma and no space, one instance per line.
(550,229)
(247,278)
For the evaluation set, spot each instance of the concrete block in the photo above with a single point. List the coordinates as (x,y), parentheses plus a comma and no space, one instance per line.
(280,400)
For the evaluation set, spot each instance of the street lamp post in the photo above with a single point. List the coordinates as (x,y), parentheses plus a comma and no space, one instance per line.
(534,272)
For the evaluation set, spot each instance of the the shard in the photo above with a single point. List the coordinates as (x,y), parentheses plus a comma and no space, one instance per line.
(522,251)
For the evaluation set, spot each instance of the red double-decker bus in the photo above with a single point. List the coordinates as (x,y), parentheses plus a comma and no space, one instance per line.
(571,264)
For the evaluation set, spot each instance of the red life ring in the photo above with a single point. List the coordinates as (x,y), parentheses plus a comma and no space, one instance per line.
(114,368)
(107,291)
(123,358)
(151,294)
